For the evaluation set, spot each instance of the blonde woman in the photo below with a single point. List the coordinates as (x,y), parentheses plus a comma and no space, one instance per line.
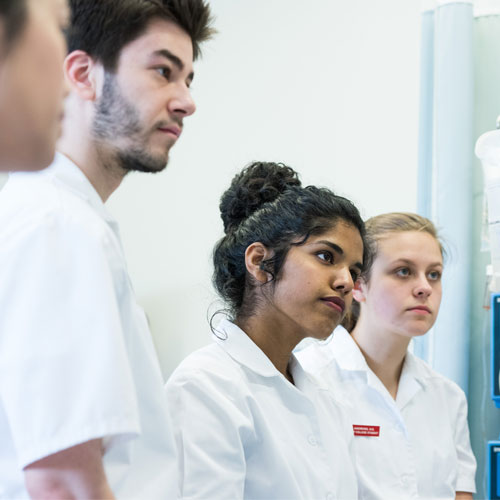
(409,422)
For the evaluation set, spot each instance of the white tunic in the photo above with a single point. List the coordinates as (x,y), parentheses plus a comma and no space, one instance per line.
(244,431)
(77,360)
(416,446)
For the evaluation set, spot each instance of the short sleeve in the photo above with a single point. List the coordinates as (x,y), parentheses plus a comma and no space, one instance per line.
(64,371)
(209,428)
(466,460)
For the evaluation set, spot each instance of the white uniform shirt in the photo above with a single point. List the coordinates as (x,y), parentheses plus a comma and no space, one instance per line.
(77,360)
(244,431)
(416,446)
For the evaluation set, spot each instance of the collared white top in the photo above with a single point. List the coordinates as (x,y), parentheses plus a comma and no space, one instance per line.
(244,431)
(422,449)
(77,360)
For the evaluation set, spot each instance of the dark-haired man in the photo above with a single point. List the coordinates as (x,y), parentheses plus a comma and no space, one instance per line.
(32,50)
(82,412)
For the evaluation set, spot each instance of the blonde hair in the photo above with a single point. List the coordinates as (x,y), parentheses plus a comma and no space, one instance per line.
(397,222)
(377,228)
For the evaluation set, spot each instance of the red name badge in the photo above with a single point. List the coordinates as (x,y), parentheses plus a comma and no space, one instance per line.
(366,430)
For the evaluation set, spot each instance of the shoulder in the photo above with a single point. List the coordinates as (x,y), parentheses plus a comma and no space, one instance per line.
(435,381)
(210,367)
(211,385)
(38,208)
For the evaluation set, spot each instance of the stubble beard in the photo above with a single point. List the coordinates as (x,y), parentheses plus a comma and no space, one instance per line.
(117,118)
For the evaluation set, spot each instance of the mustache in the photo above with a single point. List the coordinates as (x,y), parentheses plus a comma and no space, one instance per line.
(165,124)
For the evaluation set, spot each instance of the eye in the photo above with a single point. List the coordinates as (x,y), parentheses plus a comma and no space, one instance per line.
(164,71)
(326,256)
(434,275)
(403,272)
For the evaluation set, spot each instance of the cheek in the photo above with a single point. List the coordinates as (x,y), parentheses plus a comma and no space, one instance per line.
(43,56)
(437,295)
(295,287)
(51,58)
(386,303)
(348,301)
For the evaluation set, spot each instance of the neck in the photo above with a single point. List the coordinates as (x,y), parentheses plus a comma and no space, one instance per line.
(100,167)
(383,351)
(275,342)
(94,159)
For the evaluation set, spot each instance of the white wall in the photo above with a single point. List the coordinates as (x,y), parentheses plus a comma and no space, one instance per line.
(328,86)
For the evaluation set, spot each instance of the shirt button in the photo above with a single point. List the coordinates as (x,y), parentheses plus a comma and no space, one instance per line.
(330,496)
(312,440)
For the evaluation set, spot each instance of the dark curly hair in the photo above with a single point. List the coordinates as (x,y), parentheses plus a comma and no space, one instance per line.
(267,203)
(103,27)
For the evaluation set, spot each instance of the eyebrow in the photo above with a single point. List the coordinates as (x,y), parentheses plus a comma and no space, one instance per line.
(338,250)
(406,261)
(173,59)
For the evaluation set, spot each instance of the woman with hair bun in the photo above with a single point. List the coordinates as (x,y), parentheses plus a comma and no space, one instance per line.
(248,421)
(411,438)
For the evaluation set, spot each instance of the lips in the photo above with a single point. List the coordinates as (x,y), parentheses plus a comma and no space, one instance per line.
(420,309)
(335,303)
(176,131)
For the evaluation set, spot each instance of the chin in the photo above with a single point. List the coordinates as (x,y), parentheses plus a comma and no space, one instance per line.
(323,333)
(141,162)
(418,332)
(33,159)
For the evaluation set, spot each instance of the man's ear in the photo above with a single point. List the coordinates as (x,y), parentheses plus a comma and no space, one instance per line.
(359,291)
(80,71)
(255,255)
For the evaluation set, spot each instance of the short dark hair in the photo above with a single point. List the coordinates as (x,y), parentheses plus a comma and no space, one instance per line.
(103,27)
(14,14)
(267,203)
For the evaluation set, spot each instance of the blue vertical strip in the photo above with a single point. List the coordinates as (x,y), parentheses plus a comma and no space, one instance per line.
(425,131)
(453,163)
(425,135)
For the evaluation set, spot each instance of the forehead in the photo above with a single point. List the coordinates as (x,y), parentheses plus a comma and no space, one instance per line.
(161,35)
(346,236)
(57,8)
(415,246)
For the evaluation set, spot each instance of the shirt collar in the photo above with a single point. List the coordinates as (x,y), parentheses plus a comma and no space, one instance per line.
(347,354)
(66,172)
(302,379)
(349,357)
(413,367)
(243,350)
(413,379)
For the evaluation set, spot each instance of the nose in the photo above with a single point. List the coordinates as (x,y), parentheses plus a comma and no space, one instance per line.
(342,280)
(182,103)
(422,287)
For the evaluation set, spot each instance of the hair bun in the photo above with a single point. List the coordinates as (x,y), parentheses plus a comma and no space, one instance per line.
(255,185)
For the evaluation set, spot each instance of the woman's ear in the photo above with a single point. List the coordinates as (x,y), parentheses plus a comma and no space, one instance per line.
(255,255)
(359,291)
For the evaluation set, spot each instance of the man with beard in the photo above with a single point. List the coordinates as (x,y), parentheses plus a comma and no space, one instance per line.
(82,411)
